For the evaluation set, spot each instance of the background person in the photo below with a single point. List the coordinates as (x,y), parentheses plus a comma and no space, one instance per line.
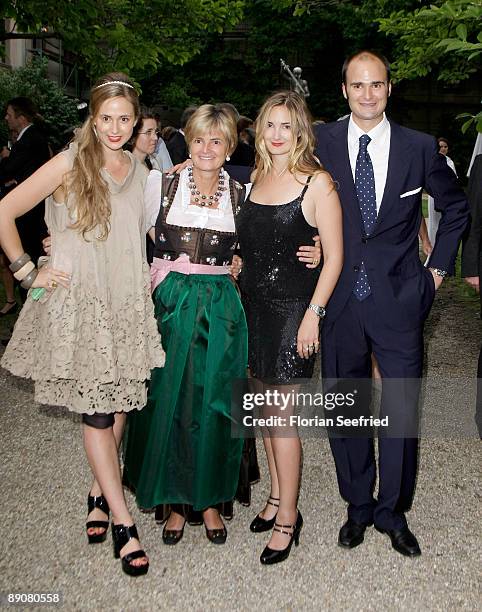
(161,154)
(176,145)
(144,139)
(434,215)
(29,151)
(472,259)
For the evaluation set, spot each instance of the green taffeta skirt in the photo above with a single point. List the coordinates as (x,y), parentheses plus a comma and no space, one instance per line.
(179,448)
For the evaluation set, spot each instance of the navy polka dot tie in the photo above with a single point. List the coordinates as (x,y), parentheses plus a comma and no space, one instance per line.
(365,190)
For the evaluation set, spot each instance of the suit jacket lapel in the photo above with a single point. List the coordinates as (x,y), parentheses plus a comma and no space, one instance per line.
(398,168)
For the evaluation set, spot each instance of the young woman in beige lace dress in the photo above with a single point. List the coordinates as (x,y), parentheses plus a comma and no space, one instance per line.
(90,340)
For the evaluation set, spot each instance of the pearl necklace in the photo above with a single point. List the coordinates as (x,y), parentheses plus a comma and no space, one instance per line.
(202,199)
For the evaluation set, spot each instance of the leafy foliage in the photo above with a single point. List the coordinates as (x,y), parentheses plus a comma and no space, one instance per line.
(446,37)
(128,35)
(243,66)
(58,110)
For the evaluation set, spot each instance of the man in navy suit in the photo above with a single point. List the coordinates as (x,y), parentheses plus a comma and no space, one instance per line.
(29,152)
(384,293)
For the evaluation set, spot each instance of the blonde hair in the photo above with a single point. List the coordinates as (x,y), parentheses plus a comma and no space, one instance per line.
(209,117)
(84,182)
(301,155)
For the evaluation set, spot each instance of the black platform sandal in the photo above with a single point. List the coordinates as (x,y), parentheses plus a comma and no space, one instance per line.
(121,534)
(260,524)
(99,502)
(269,556)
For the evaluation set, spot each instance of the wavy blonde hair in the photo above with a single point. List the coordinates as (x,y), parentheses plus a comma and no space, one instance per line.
(301,155)
(89,190)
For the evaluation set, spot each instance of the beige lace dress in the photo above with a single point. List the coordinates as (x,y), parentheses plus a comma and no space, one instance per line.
(91,347)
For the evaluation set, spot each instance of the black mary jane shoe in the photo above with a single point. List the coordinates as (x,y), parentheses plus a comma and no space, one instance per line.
(269,556)
(100,502)
(216,536)
(260,524)
(172,536)
(121,534)
(403,541)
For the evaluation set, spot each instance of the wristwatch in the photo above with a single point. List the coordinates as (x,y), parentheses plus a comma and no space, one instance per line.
(437,272)
(319,310)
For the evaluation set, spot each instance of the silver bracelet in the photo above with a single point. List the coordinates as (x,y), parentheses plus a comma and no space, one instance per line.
(29,279)
(19,263)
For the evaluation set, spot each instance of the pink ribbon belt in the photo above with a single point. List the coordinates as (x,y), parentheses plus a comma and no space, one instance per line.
(160,268)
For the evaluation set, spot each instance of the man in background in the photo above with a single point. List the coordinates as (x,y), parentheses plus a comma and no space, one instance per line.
(28,153)
(176,145)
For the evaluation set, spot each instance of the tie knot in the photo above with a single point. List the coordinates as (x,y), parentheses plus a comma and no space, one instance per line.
(364,142)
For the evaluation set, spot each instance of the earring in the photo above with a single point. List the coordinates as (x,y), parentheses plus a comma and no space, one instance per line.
(227,158)
(189,155)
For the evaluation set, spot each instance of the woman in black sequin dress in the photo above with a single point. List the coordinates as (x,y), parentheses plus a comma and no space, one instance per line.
(292,200)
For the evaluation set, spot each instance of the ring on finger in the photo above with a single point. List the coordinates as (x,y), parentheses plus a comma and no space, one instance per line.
(53,284)
(314,261)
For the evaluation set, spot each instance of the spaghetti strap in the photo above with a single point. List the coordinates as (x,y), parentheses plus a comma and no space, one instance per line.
(302,194)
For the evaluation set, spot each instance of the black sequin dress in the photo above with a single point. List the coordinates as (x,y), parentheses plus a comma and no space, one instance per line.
(276,287)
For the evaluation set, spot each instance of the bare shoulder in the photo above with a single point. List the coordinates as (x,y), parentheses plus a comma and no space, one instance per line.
(60,162)
(321,183)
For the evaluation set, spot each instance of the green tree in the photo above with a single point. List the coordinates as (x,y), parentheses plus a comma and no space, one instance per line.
(58,110)
(242,66)
(128,35)
(445,38)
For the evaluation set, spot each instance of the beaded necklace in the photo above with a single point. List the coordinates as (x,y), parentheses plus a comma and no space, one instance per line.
(202,199)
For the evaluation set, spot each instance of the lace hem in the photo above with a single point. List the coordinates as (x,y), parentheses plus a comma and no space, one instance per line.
(87,398)
(78,337)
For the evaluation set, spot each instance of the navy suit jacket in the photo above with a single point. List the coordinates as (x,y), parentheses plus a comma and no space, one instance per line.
(26,156)
(177,148)
(402,288)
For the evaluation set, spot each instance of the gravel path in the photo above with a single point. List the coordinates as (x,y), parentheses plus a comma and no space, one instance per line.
(45,481)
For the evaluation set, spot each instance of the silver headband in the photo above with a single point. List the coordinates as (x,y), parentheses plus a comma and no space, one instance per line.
(114,83)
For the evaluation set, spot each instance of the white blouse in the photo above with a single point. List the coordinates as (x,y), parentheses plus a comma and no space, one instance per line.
(182,212)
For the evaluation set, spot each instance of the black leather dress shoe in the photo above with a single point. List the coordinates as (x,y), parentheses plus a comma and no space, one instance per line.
(351,534)
(403,541)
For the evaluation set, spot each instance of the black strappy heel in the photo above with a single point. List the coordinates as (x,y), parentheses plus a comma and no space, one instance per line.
(269,556)
(260,524)
(100,502)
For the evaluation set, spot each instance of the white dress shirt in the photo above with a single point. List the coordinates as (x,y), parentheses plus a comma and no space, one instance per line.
(378,149)
(22,132)
(162,157)
(182,212)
